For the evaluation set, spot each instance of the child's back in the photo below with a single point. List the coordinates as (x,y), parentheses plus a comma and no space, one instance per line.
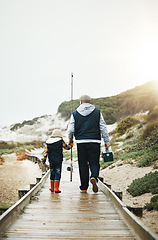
(54,152)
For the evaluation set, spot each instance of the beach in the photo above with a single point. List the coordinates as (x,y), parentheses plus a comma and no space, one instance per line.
(16,175)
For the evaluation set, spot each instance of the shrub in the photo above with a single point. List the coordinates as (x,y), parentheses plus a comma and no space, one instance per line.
(146,184)
(7,145)
(148,159)
(153,116)
(152,126)
(153,204)
(22,156)
(124,124)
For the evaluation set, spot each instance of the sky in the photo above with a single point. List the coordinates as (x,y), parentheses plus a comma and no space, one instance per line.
(109,45)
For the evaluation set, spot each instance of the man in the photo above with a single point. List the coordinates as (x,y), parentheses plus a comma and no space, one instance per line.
(87,125)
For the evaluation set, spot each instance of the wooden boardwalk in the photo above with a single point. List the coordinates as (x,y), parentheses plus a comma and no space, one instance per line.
(69,215)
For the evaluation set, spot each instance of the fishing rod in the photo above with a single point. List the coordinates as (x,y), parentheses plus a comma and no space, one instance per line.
(71,114)
(71,165)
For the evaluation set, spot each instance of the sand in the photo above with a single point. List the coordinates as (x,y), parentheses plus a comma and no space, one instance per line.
(120,177)
(16,175)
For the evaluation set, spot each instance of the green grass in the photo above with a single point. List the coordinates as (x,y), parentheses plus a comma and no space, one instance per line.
(4,205)
(8,203)
(105,164)
(140,144)
(143,151)
(11,147)
(67,154)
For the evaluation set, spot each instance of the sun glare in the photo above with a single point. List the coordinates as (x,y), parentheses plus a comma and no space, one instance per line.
(155,83)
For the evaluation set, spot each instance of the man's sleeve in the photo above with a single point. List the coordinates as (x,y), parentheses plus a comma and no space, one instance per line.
(103,130)
(71,127)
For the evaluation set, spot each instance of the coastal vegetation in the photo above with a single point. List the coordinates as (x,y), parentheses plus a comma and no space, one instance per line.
(16,126)
(139,99)
(135,142)
(139,141)
(146,184)
(7,147)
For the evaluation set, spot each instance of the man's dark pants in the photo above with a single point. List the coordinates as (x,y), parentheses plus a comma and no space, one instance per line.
(88,157)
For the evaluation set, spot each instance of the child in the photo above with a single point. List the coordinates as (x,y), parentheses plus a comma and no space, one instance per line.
(54,151)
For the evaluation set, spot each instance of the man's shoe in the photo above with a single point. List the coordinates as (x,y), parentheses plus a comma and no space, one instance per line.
(83,191)
(94,183)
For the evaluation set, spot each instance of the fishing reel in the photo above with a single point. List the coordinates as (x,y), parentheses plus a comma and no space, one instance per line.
(70,169)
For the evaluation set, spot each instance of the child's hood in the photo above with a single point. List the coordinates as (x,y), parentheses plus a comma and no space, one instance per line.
(53,140)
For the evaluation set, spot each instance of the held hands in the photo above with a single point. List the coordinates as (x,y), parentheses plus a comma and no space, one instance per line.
(70,141)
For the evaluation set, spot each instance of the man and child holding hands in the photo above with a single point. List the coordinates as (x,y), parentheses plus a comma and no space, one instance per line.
(87,125)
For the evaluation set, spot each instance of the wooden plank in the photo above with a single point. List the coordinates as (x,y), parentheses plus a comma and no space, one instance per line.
(71,238)
(80,225)
(70,233)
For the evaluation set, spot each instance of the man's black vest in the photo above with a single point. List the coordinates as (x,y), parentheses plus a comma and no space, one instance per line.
(87,127)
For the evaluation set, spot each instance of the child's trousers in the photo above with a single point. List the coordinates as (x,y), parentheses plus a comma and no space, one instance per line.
(55,172)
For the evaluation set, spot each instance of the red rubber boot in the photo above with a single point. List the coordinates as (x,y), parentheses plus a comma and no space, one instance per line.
(51,186)
(57,183)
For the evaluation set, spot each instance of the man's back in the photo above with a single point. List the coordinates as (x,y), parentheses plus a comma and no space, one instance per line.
(87,127)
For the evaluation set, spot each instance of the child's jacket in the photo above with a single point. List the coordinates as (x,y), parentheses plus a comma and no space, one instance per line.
(54,150)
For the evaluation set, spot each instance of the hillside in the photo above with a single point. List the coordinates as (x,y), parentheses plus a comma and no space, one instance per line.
(36,129)
(139,99)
